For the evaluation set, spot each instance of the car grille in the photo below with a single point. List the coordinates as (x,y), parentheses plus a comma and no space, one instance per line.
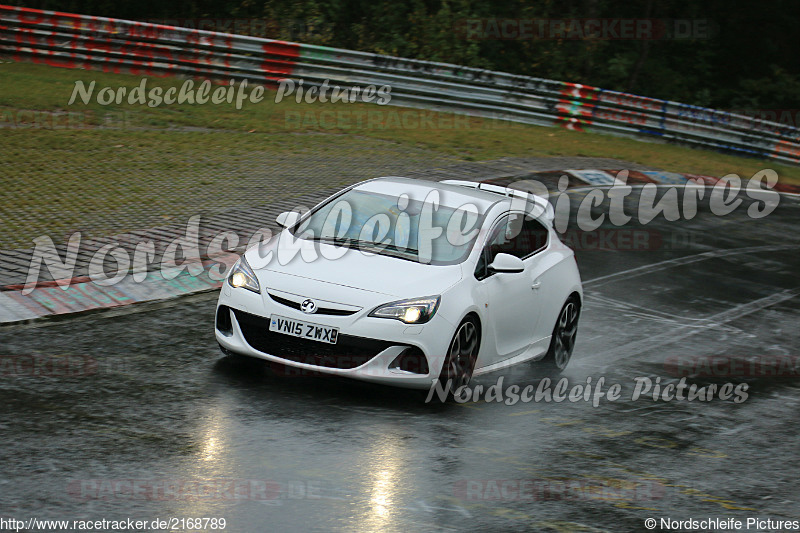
(320,310)
(348,352)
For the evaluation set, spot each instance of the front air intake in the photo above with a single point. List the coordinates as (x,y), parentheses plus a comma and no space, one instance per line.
(410,360)
(223,322)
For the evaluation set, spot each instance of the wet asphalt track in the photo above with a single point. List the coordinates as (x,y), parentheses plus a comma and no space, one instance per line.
(157,405)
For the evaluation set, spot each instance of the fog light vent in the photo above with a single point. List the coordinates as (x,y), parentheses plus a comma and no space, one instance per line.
(410,360)
(224,325)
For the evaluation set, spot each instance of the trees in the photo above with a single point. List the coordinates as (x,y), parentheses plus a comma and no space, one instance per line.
(718,53)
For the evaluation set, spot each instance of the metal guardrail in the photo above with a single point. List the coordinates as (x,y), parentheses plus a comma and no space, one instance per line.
(79,41)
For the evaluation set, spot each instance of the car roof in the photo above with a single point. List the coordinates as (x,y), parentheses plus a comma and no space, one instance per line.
(422,187)
(457,192)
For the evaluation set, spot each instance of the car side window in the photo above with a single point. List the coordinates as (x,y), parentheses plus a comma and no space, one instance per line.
(519,235)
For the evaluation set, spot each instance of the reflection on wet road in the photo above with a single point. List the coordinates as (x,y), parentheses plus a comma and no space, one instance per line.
(140,416)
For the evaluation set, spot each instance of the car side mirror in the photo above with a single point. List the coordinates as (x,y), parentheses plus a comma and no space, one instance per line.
(507,263)
(288,218)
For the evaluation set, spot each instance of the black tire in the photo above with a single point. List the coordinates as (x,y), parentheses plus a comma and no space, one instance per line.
(563,340)
(461,355)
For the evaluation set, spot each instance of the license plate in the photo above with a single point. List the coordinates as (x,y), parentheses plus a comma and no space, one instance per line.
(304,330)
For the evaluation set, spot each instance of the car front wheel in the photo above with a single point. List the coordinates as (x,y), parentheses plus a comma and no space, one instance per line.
(563,340)
(461,355)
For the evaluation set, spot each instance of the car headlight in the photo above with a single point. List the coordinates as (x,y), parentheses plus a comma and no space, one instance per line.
(414,311)
(243,276)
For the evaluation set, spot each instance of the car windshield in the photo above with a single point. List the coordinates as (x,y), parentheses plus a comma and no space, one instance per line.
(409,229)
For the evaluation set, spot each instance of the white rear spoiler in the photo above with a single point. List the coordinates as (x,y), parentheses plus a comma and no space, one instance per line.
(535,205)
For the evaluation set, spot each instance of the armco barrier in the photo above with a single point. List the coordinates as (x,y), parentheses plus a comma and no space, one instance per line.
(79,41)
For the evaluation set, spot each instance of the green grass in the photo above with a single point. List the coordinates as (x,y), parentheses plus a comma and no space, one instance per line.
(104,182)
(42,88)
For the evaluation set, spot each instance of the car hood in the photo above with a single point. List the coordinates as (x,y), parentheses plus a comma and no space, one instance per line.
(370,275)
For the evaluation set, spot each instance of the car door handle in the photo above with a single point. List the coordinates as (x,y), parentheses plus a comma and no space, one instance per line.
(536,284)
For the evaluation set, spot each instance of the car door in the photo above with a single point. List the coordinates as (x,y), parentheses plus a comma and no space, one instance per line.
(544,281)
(513,304)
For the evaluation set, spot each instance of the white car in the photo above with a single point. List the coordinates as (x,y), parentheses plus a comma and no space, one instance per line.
(405,282)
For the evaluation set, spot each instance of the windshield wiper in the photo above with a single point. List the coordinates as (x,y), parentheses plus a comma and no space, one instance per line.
(337,240)
(377,247)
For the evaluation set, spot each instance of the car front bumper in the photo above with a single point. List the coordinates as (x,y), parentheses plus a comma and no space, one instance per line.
(367,348)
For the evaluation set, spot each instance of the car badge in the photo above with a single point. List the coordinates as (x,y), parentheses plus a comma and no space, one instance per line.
(308,306)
